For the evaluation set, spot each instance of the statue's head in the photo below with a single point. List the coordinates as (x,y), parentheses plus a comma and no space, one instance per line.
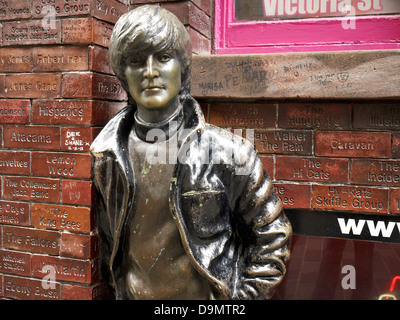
(152,40)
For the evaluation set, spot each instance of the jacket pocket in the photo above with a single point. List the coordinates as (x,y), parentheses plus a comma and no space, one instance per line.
(206,213)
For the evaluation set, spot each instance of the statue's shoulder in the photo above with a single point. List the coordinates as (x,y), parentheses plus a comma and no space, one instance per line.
(111,134)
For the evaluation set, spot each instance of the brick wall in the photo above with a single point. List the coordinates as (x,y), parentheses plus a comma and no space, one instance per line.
(56,91)
(323,155)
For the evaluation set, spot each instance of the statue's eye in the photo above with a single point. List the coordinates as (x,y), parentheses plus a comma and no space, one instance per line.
(164,57)
(136,60)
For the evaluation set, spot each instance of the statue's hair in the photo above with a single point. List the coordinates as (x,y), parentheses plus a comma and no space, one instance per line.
(145,29)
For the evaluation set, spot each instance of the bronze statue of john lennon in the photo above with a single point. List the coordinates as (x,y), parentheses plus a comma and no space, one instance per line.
(185,209)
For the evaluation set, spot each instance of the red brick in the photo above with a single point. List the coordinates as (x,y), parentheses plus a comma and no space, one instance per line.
(395,200)
(15,162)
(16,59)
(66,269)
(31,240)
(78,138)
(100,60)
(19,9)
(32,137)
(15,262)
(2,85)
(77,192)
(35,85)
(98,86)
(107,87)
(379,116)
(312,169)
(86,30)
(1,285)
(350,198)
(96,292)
(60,8)
(353,144)
(268,163)
(79,245)
(14,111)
(66,165)
(396,145)
(31,188)
(249,115)
(77,30)
(108,10)
(375,172)
(60,58)
(15,213)
(200,44)
(205,5)
(189,14)
(283,141)
(294,196)
(29,289)
(314,115)
(61,217)
(62,112)
(30,32)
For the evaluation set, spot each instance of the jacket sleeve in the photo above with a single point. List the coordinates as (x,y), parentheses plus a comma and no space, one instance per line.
(265,234)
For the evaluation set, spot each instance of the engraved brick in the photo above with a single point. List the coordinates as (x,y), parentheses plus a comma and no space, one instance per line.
(31,240)
(14,111)
(251,115)
(32,137)
(98,86)
(375,172)
(10,10)
(86,30)
(60,58)
(38,85)
(29,289)
(353,144)
(107,87)
(31,32)
(350,198)
(15,262)
(1,285)
(108,10)
(379,116)
(15,213)
(77,192)
(283,141)
(77,30)
(79,245)
(294,196)
(66,269)
(78,138)
(314,115)
(31,188)
(312,169)
(62,112)
(83,112)
(15,162)
(16,59)
(60,217)
(96,292)
(60,8)
(58,164)
(395,200)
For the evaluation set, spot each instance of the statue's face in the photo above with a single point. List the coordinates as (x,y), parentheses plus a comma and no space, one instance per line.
(154,79)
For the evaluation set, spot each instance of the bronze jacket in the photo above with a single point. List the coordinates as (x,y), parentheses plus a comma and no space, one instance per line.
(230,220)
